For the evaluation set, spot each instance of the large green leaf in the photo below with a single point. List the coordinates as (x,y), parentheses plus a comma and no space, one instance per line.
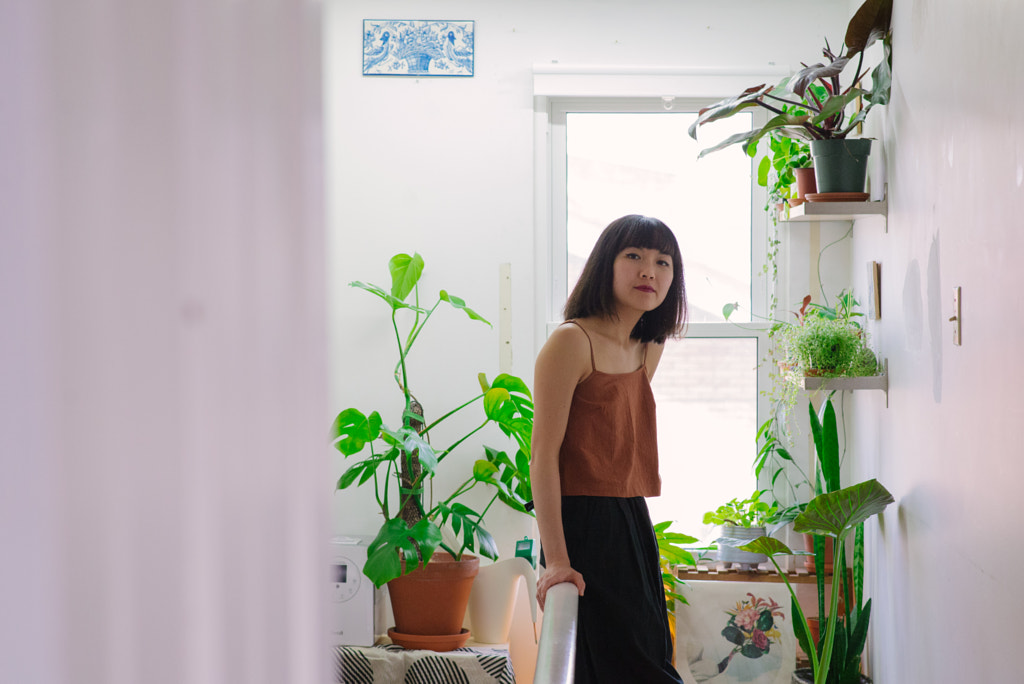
(809,75)
(512,383)
(869,23)
(484,471)
(835,514)
(837,104)
(881,80)
(396,540)
(769,546)
(392,301)
(405,273)
(762,179)
(746,138)
(461,304)
(351,430)
(729,106)
(427,456)
(858,633)
(363,470)
(826,443)
(494,402)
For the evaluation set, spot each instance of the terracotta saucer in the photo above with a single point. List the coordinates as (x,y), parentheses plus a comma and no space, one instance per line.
(442,642)
(837,196)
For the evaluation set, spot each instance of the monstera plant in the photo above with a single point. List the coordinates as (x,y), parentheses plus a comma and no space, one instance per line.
(400,459)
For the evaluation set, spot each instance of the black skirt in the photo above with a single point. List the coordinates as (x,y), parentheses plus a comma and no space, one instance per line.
(623,634)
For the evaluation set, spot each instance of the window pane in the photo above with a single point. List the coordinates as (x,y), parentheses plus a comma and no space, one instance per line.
(706,387)
(646,163)
(706,391)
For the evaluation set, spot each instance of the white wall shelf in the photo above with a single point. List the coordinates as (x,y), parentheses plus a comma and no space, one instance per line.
(873,382)
(838,211)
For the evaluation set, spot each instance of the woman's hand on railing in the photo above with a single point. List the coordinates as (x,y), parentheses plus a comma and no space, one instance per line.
(556,653)
(558,574)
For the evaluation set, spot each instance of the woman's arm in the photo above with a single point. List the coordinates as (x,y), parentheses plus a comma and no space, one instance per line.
(654,352)
(562,363)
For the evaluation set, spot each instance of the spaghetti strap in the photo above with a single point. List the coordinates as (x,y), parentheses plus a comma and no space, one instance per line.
(593,366)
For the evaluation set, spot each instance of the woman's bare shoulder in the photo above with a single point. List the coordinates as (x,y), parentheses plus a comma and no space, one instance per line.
(568,349)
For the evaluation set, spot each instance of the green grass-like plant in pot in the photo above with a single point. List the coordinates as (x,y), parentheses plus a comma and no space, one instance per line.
(827,341)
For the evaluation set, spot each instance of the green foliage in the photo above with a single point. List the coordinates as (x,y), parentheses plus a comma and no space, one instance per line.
(672,553)
(811,104)
(776,169)
(401,460)
(751,512)
(834,514)
(827,341)
(822,347)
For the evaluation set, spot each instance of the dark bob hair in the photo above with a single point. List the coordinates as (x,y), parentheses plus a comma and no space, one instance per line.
(594,295)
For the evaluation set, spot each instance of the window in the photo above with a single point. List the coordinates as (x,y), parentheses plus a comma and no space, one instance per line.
(619,156)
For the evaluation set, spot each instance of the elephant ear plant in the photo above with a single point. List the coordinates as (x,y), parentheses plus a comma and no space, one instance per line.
(837,513)
(399,460)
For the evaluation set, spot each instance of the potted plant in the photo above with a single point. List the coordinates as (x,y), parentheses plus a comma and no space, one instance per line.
(811,104)
(827,341)
(786,165)
(400,460)
(848,637)
(835,658)
(741,521)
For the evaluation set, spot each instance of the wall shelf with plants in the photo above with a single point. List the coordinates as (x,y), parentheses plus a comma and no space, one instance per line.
(848,383)
(837,211)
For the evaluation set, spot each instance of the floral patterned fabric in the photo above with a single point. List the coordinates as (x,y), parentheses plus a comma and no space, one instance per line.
(733,632)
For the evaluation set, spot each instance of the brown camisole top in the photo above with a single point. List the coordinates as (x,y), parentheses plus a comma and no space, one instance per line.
(611,445)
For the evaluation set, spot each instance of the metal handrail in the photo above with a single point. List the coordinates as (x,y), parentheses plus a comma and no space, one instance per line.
(556,651)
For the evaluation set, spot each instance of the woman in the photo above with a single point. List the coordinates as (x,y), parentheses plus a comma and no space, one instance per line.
(595,452)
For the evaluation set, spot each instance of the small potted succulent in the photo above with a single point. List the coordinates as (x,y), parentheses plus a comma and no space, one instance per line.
(811,105)
(741,521)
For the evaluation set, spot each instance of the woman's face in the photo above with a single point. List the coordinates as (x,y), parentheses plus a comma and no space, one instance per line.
(642,279)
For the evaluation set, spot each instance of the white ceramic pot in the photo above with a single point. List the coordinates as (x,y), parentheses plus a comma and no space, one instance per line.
(738,536)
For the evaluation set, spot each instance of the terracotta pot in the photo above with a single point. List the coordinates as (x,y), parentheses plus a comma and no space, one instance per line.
(432,600)
(809,560)
(805,183)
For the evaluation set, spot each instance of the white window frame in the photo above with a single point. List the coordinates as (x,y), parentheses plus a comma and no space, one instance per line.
(559,90)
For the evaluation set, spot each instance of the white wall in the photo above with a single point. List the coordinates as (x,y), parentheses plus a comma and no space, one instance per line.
(163,483)
(446,167)
(944,562)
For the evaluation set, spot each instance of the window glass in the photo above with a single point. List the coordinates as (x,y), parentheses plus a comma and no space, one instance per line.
(619,163)
(646,163)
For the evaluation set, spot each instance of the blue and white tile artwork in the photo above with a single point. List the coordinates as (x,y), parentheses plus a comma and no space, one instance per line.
(417,48)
